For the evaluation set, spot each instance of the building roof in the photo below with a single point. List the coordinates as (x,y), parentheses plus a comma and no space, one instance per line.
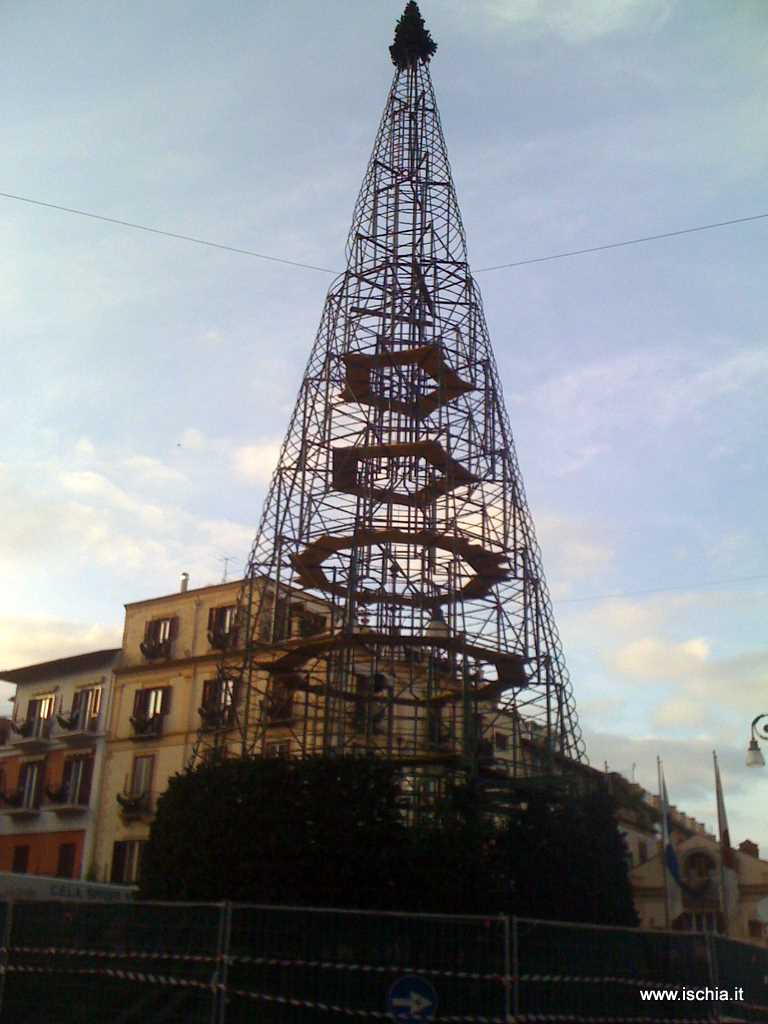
(59,666)
(184,593)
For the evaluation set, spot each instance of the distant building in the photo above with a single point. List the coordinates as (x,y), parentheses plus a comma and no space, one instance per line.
(51,761)
(699,857)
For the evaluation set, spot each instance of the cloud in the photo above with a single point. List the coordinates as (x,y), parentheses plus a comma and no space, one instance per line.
(581,21)
(32,639)
(256,462)
(97,486)
(639,393)
(689,773)
(193,438)
(652,658)
(152,470)
(571,551)
(85,447)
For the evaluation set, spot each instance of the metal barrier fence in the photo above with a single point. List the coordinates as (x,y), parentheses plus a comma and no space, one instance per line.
(66,963)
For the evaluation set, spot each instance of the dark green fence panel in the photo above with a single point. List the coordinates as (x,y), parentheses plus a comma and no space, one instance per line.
(741,966)
(149,963)
(315,965)
(70,963)
(597,973)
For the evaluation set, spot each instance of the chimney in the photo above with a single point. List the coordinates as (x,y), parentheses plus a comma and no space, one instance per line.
(184,582)
(751,849)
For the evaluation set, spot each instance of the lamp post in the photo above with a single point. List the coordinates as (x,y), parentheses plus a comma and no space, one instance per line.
(755,757)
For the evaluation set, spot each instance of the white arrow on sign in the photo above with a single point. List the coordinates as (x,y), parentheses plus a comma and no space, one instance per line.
(415,1003)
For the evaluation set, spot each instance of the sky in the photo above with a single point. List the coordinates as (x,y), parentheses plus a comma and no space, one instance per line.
(148,380)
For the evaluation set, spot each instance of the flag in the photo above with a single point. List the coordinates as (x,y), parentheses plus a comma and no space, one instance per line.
(673,886)
(729,879)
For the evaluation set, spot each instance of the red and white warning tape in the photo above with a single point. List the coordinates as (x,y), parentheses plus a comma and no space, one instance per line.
(347,1011)
(110,972)
(108,954)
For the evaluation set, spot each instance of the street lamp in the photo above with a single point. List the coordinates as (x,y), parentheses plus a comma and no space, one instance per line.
(755,757)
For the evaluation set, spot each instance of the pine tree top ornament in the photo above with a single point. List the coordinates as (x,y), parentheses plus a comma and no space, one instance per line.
(413,42)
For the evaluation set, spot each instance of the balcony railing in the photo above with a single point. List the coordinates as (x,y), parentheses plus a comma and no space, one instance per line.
(216,717)
(222,639)
(77,726)
(66,801)
(146,727)
(153,650)
(19,804)
(135,806)
(32,734)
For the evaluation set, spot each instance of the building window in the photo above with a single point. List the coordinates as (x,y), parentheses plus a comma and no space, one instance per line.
(218,704)
(126,861)
(66,863)
(369,714)
(280,701)
(310,623)
(642,851)
(158,636)
(149,708)
(501,741)
(222,627)
(141,775)
(20,860)
(38,720)
(280,748)
(84,714)
(76,781)
(31,784)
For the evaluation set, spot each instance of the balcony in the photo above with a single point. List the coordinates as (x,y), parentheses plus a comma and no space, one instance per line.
(222,639)
(78,728)
(18,805)
(146,727)
(214,717)
(154,650)
(135,807)
(64,802)
(33,734)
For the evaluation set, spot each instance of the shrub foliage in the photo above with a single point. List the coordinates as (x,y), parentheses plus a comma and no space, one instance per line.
(331,832)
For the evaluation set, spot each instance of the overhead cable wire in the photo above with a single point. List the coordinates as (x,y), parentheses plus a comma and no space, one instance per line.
(167,234)
(327,270)
(703,586)
(618,245)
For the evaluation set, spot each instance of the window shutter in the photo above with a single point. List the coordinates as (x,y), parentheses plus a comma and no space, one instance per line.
(165,704)
(212,619)
(85,780)
(173,629)
(209,692)
(39,783)
(118,862)
(66,775)
(76,701)
(149,630)
(140,702)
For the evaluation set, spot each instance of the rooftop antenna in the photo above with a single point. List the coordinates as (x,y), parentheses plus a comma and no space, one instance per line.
(226,559)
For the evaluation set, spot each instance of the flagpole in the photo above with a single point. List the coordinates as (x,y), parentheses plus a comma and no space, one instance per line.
(663,810)
(728,883)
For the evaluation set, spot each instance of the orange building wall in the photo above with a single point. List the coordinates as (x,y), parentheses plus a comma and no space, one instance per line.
(43,850)
(54,767)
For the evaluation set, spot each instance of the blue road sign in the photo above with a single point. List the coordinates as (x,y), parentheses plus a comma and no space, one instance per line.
(412,998)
